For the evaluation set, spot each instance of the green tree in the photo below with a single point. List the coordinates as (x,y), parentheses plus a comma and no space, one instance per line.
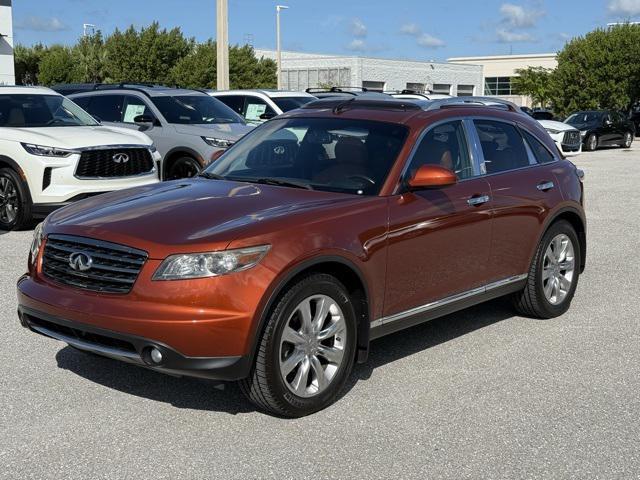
(56,66)
(198,69)
(91,59)
(534,82)
(27,63)
(599,70)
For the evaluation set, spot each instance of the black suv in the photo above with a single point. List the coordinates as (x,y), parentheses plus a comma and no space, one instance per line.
(603,128)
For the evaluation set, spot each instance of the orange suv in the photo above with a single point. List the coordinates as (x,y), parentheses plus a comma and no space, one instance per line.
(321,230)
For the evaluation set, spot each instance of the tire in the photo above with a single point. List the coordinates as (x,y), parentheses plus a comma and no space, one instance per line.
(15,202)
(268,386)
(534,300)
(628,140)
(591,143)
(183,167)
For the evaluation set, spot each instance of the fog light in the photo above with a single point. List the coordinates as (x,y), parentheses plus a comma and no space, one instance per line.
(156,355)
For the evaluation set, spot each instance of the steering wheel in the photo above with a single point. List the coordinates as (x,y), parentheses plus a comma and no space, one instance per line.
(362,177)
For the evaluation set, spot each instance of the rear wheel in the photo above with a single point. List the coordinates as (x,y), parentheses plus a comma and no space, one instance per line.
(553,276)
(628,140)
(15,205)
(306,351)
(591,143)
(183,167)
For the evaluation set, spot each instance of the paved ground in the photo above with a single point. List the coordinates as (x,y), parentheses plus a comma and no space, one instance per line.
(480,394)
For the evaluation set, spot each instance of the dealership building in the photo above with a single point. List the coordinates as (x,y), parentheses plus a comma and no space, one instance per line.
(7,71)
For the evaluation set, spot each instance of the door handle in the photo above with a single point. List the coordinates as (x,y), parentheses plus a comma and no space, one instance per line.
(545,186)
(478,200)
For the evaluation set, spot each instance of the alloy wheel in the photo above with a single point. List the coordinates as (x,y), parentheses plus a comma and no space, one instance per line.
(593,142)
(312,345)
(558,269)
(8,200)
(627,140)
(184,168)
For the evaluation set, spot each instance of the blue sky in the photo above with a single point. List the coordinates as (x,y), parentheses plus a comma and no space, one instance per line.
(416,29)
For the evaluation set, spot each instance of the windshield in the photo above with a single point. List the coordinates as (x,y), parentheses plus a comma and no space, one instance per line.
(584,118)
(195,110)
(329,154)
(291,103)
(29,111)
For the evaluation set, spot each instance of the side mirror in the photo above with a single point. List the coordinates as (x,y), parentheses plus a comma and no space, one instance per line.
(432,176)
(268,115)
(146,120)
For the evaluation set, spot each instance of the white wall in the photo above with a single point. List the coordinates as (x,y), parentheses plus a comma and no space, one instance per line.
(7,69)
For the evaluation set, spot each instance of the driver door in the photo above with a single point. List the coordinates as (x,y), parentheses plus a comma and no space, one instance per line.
(439,239)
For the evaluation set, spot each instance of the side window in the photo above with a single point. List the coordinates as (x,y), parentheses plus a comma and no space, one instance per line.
(134,106)
(108,108)
(444,145)
(234,102)
(82,102)
(256,107)
(502,146)
(542,154)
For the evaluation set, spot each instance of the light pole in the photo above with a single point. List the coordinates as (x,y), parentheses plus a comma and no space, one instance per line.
(278,48)
(222,41)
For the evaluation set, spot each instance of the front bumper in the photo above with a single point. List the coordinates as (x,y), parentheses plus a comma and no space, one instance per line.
(132,348)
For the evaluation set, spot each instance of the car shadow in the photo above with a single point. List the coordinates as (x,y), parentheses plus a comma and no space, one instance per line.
(199,394)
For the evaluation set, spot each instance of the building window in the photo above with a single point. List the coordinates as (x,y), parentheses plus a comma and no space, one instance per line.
(499,86)
(441,88)
(373,86)
(466,90)
(416,87)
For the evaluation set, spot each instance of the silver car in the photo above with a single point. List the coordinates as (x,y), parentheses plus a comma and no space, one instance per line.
(188,127)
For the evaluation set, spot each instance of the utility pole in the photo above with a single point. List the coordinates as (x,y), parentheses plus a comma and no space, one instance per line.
(278,46)
(222,41)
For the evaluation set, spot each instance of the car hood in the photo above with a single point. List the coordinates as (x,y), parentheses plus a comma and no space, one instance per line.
(553,125)
(227,131)
(76,137)
(191,215)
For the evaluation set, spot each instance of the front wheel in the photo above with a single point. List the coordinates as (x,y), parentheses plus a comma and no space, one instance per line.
(553,275)
(306,351)
(628,140)
(15,206)
(592,143)
(183,167)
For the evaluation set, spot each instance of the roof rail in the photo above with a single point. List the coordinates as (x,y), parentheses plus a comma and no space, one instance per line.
(491,102)
(335,89)
(409,92)
(340,105)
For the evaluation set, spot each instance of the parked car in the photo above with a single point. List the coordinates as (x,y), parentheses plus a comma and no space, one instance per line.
(257,106)
(325,228)
(543,114)
(635,118)
(413,95)
(53,153)
(344,92)
(189,128)
(600,128)
(566,137)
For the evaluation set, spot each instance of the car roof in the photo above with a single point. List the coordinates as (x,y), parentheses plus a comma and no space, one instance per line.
(148,89)
(19,89)
(267,92)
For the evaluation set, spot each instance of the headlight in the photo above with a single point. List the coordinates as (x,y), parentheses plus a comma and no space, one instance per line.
(553,132)
(583,133)
(214,264)
(43,151)
(36,243)
(218,142)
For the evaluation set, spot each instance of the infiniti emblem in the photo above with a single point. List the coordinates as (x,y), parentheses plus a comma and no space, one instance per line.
(279,150)
(120,158)
(80,262)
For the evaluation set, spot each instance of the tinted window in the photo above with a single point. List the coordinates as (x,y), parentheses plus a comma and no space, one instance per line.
(540,152)
(82,102)
(338,155)
(195,110)
(584,118)
(41,111)
(291,103)
(502,146)
(134,106)
(234,102)
(255,107)
(444,145)
(108,108)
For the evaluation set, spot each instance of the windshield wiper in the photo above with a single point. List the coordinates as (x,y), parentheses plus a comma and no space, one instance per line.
(212,176)
(282,183)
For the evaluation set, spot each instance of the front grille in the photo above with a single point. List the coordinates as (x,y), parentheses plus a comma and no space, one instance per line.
(113,268)
(114,163)
(572,139)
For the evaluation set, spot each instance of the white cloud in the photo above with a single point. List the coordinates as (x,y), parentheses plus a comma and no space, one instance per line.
(429,41)
(506,36)
(40,24)
(358,28)
(628,8)
(410,29)
(357,45)
(517,16)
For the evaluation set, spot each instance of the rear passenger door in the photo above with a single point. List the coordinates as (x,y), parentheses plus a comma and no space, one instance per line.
(520,171)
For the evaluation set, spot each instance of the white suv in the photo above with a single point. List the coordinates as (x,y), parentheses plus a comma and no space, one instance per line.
(258,106)
(567,138)
(52,153)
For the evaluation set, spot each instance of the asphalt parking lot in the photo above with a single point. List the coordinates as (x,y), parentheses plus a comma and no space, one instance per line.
(481,394)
